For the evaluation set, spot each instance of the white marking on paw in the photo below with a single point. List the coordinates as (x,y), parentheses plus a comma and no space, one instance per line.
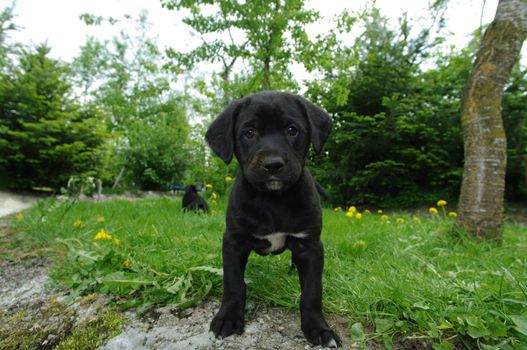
(277,239)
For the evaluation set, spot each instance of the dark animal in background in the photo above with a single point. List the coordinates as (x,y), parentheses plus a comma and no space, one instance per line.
(193,201)
(274,204)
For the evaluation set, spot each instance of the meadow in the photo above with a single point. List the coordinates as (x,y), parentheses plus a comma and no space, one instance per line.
(394,276)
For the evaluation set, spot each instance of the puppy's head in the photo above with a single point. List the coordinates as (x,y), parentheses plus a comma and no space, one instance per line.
(191,189)
(269,133)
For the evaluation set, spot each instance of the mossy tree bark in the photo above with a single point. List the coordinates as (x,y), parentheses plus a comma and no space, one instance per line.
(482,189)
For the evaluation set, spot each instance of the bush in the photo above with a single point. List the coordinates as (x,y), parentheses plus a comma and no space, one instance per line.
(157,155)
(44,136)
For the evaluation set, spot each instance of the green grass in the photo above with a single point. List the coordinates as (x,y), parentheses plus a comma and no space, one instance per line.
(393,281)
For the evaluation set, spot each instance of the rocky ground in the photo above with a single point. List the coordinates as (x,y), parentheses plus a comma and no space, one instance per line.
(45,318)
(35,315)
(170,328)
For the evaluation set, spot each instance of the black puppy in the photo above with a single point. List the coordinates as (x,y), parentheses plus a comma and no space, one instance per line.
(192,200)
(274,203)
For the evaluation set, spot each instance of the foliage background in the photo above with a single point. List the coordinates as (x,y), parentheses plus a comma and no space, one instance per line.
(128,113)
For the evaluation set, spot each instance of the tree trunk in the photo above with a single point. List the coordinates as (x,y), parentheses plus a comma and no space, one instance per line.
(99,189)
(266,81)
(525,170)
(483,184)
(118,178)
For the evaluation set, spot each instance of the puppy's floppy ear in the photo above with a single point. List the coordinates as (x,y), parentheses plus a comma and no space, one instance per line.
(319,122)
(220,135)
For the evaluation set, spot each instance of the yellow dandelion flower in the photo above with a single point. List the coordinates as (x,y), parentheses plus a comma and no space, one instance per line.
(416,219)
(208,186)
(441,203)
(384,217)
(127,263)
(101,235)
(77,224)
(116,241)
(367,211)
(214,195)
(19,217)
(379,211)
(359,245)
(399,220)
(352,210)
(452,214)
(214,202)
(358,216)
(338,209)
(101,219)
(349,214)
(432,210)
(228,179)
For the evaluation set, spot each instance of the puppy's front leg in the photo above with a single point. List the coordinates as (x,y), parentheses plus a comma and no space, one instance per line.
(308,256)
(230,317)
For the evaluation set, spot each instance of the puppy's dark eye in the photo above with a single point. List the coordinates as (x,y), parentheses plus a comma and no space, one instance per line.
(249,133)
(292,131)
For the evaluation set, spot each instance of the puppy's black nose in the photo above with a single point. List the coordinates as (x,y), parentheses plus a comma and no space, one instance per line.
(273,164)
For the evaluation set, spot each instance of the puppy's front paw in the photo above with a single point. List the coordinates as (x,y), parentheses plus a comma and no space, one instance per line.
(223,327)
(318,332)
(325,337)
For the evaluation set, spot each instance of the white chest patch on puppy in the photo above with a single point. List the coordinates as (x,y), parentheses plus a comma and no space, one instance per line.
(277,239)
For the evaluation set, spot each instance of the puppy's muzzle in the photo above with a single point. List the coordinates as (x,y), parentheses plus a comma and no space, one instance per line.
(269,171)
(273,164)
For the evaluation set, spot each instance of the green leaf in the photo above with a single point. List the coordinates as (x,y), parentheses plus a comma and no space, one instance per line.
(121,279)
(400,324)
(420,306)
(498,329)
(489,347)
(176,286)
(476,328)
(445,325)
(213,270)
(383,324)
(473,321)
(477,331)
(433,330)
(357,332)
(387,342)
(520,322)
(444,345)
(87,256)
(515,301)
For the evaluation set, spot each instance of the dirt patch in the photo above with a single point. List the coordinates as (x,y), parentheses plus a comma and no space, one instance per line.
(33,315)
(22,284)
(29,316)
(11,202)
(14,202)
(172,329)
